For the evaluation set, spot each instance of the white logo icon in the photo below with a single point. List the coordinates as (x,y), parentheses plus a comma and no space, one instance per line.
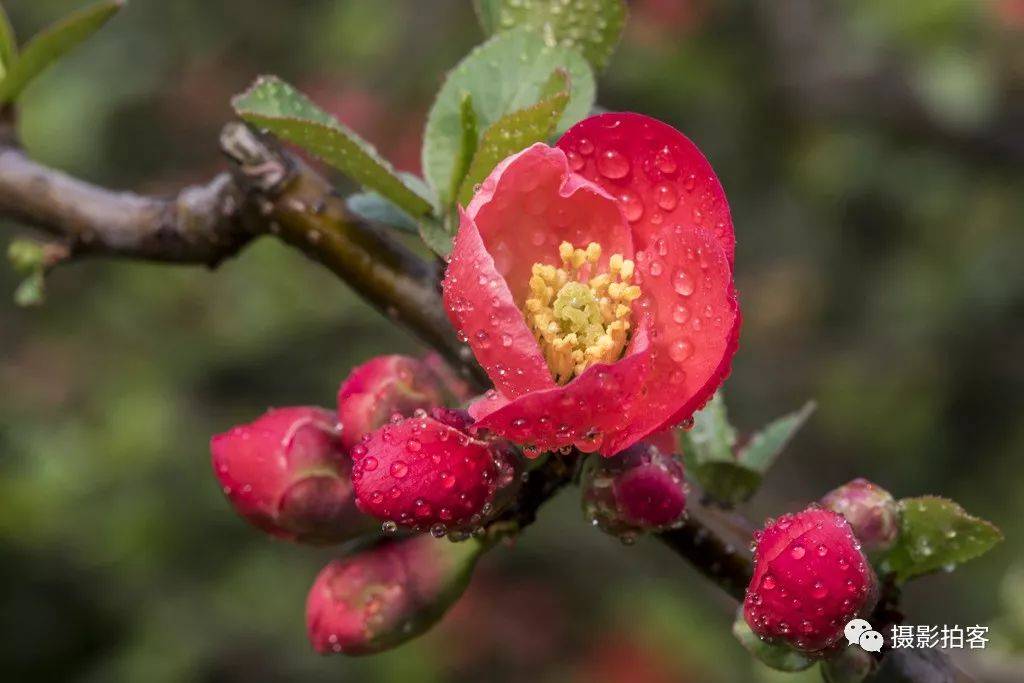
(871,641)
(859,632)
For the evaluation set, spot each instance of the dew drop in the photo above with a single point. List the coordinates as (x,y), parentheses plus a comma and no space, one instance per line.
(682,283)
(680,314)
(575,160)
(632,207)
(413,445)
(398,469)
(664,161)
(611,164)
(797,552)
(586,147)
(680,350)
(666,196)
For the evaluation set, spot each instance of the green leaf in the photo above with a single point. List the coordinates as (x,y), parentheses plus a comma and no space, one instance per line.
(514,132)
(729,483)
(52,43)
(936,533)
(593,27)
(728,475)
(507,73)
(778,656)
(26,255)
(373,207)
(712,438)
(276,106)
(437,233)
(32,290)
(764,447)
(467,146)
(8,43)
(708,452)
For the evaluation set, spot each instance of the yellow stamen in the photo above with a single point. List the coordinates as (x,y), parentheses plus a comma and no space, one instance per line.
(580,317)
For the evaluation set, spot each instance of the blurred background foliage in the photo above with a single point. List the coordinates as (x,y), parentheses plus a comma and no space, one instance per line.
(873,154)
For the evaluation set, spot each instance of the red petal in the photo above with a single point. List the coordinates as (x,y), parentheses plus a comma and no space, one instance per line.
(658,175)
(687,287)
(481,307)
(531,203)
(584,413)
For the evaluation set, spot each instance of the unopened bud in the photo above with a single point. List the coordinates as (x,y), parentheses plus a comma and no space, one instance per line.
(871,511)
(810,579)
(425,471)
(288,474)
(389,385)
(641,489)
(382,596)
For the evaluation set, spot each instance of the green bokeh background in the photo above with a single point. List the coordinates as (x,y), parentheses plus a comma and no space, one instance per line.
(873,155)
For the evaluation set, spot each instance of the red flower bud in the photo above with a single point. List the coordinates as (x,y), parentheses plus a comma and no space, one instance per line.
(288,475)
(871,511)
(385,595)
(387,385)
(425,471)
(810,579)
(641,489)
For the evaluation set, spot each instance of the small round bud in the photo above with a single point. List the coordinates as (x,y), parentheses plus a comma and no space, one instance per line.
(642,489)
(288,475)
(382,596)
(425,471)
(871,511)
(389,385)
(810,579)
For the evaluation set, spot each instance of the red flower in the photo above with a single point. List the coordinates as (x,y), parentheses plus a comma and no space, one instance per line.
(384,595)
(386,385)
(810,579)
(425,470)
(288,474)
(871,511)
(594,283)
(641,489)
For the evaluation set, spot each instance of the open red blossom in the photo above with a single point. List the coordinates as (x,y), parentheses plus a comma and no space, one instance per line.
(386,385)
(425,470)
(594,283)
(288,474)
(810,579)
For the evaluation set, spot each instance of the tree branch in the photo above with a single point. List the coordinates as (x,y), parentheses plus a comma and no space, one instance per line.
(201,224)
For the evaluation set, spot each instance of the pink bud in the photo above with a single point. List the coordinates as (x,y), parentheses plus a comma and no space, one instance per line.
(288,475)
(387,594)
(386,385)
(871,511)
(641,489)
(425,471)
(810,579)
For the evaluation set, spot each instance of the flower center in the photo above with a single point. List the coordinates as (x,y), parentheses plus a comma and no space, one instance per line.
(579,316)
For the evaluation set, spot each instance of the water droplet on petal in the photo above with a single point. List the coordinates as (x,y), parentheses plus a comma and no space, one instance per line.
(680,350)
(611,164)
(666,196)
(632,207)
(682,283)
